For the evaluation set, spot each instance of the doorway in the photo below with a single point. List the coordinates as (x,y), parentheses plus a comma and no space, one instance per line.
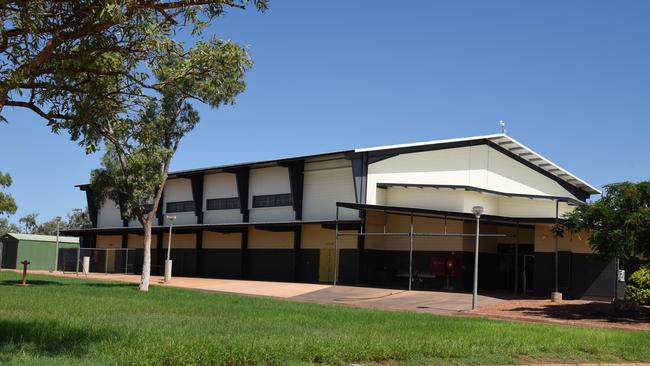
(527,273)
(326,266)
(511,260)
(110,260)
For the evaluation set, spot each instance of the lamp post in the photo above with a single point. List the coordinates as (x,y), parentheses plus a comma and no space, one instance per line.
(168,262)
(56,251)
(477,211)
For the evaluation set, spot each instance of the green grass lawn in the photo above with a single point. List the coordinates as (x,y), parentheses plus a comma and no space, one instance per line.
(67,321)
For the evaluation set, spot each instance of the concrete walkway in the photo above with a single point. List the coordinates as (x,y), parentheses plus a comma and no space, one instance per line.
(376,298)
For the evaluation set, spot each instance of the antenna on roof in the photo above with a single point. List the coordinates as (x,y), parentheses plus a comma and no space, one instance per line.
(502,123)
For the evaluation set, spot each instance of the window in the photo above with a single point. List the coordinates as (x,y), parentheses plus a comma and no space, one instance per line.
(223,203)
(182,206)
(272,200)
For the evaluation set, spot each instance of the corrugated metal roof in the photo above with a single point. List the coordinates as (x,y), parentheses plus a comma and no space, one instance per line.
(532,157)
(504,141)
(52,238)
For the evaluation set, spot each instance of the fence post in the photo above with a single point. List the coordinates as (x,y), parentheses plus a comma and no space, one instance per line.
(106,261)
(126,262)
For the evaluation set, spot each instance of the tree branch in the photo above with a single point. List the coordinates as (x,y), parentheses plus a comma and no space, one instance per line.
(36,109)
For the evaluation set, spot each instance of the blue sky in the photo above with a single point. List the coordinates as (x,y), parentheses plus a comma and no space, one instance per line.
(572,80)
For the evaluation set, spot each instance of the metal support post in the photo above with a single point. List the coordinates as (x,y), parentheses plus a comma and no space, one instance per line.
(557,245)
(517,259)
(56,251)
(411,254)
(336,247)
(477,210)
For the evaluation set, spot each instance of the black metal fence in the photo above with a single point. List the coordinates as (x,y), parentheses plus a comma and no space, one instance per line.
(101,260)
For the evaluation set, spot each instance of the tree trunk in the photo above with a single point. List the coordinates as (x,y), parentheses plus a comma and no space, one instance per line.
(146,263)
(147,223)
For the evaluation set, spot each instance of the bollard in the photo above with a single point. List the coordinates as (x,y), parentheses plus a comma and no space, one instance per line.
(168,271)
(556,297)
(24,263)
(86,266)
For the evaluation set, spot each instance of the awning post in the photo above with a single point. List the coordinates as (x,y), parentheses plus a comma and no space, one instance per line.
(477,210)
(557,244)
(517,258)
(336,246)
(411,254)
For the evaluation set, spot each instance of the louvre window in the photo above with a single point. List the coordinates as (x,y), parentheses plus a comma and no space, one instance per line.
(182,206)
(223,203)
(272,200)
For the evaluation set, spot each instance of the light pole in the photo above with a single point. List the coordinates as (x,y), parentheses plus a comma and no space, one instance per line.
(168,262)
(56,252)
(477,210)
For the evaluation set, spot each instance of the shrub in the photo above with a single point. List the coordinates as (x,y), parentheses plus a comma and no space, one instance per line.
(638,286)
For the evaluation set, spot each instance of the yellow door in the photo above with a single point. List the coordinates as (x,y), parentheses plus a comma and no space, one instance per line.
(110,261)
(327,265)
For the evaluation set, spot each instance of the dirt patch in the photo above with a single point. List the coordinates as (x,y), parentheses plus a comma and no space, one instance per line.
(575,312)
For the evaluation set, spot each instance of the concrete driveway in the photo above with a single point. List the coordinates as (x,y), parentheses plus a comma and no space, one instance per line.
(375,298)
(379,298)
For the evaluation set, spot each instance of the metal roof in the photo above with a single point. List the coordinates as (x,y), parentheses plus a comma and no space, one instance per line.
(208,227)
(533,157)
(427,143)
(502,140)
(50,238)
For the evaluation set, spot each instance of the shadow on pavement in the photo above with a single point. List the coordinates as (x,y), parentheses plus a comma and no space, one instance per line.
(600,311)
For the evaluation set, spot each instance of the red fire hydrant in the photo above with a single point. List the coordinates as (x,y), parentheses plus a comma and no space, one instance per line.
(24,263)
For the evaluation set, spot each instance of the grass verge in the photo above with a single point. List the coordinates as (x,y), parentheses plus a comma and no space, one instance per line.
(61,321)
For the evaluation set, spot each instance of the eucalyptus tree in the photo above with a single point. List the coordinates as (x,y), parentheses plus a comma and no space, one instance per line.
(7,202)
(106,71)
(59,58)
(7,227)
(140,148)
(618,223)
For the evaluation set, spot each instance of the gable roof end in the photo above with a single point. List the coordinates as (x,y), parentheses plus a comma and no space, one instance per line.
(508,144)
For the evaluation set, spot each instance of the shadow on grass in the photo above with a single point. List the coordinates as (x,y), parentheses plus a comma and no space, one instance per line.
(107,284)
(31,282)
(47,338)
(596,310)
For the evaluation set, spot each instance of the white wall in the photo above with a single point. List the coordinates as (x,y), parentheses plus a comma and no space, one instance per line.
(109,215)
(476,166)
(525,207)
(439,199)
(179,190)
(220,185)
(462,201)
(508,175)
(325,183)
(271,180)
